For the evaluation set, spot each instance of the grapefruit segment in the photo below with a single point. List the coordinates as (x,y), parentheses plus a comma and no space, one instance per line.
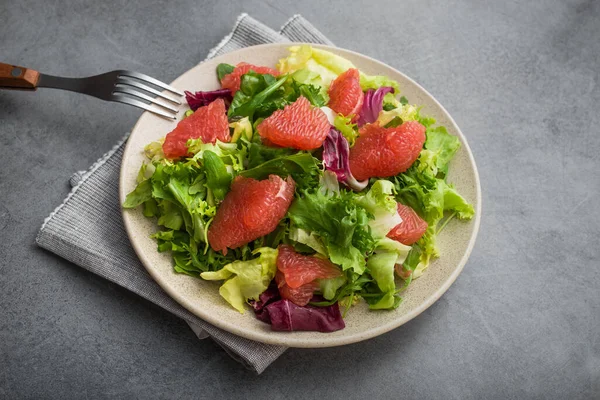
(298,125)
(250,210)
(299,269)
(411,229)
(208,123)
(383,152)
(345,94)
(300,296)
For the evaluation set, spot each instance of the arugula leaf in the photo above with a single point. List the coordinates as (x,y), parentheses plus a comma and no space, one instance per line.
(313,94)
(403,100)
(224,69)
(248,99)
(217,177)
(301,166)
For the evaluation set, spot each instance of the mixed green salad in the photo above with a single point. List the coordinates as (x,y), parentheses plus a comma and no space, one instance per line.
(303,189)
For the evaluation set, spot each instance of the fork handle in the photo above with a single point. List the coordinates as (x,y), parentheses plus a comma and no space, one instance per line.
(15,77)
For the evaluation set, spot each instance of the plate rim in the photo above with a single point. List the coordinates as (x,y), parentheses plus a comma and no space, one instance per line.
(323,341)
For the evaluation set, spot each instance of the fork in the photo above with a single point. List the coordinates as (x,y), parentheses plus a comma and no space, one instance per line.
(120,86)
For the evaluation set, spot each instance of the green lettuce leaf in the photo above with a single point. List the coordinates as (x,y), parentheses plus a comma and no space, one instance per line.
(453,201)
(377,81)
(346,128)
(302,167)
(423,187)
(387,301)
(323,67)
(232,155)
(241,128)
(324,64)
(141,194)
(246,280)
(440,148)
(309,239)
(259,153)
(339,222)
(329,287)
(387,245)
(380,203)
(153,150)
(405,113)
(381,268)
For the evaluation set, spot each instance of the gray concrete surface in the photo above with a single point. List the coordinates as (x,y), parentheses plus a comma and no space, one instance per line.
(522,321)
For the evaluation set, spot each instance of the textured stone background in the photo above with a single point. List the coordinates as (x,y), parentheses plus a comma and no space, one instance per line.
(522,321)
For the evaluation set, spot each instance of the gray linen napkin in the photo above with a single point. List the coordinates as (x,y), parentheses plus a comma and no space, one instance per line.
(87,228)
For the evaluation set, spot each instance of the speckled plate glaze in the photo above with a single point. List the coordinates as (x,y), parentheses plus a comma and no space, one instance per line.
(202,298)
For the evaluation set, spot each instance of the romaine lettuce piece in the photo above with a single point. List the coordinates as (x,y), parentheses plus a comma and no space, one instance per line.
(324,66)
(379,201)
(246,280)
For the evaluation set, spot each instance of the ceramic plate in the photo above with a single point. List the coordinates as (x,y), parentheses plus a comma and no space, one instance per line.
(202,298)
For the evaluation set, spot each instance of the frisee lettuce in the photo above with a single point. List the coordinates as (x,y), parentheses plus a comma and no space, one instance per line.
(339,222)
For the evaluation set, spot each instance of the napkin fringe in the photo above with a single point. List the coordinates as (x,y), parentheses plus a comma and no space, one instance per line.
(289,21)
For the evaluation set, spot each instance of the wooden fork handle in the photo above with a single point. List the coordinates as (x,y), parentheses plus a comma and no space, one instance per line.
(15,77)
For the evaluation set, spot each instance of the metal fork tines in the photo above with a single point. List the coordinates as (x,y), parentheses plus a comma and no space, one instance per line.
(122,86)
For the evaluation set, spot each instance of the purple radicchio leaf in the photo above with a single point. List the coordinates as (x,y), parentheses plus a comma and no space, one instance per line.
(283,315)
(372,105)
(201,99)
(267,297)
(336,158)
(287,316)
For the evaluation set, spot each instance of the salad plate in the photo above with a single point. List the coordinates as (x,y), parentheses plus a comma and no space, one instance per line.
(202,297)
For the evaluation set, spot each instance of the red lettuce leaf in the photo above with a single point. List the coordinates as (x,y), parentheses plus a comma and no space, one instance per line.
(287,316)
(336,158)
(200,99)
(267,297)
(283,315)
(372,105)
